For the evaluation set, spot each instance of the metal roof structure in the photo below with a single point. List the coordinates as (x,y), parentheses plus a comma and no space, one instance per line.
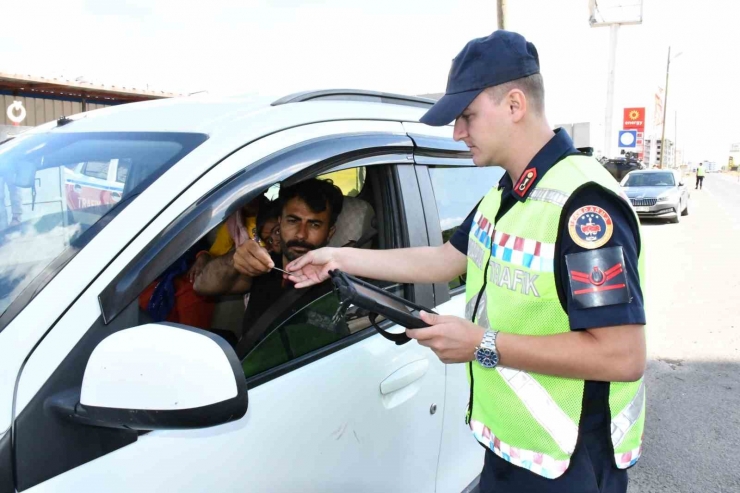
(44,87)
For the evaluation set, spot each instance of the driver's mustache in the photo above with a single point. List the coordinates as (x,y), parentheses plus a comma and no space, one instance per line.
(300,244)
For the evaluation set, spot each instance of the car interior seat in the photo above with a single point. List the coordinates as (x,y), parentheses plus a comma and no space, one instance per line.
(355,225)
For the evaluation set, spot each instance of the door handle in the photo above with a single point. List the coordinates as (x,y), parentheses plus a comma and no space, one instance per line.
(404,376)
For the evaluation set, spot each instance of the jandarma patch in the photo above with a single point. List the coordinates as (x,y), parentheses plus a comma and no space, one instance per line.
(590,227)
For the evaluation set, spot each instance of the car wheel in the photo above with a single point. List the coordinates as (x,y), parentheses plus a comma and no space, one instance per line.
(685,211)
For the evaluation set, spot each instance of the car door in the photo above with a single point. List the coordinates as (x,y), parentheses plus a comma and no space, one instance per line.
(358,413)
(451,187)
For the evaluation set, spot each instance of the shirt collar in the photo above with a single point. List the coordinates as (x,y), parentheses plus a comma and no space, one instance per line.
(559,146)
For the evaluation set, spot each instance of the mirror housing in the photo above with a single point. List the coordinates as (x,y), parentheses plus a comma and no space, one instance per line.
(158,377)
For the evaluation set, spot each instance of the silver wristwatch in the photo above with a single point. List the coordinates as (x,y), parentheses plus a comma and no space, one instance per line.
(486,354)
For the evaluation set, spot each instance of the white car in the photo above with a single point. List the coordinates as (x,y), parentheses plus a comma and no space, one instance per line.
(95,396)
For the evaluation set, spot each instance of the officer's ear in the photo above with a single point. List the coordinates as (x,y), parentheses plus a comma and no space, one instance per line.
(517,103)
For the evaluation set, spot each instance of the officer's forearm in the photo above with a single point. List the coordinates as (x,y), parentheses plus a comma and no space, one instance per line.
(608,354)
(406,265)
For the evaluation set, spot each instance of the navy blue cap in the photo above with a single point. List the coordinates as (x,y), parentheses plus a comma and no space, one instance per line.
(484,62)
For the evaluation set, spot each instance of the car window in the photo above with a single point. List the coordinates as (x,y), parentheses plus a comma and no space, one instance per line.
(96,169)
(666,179)
(457,190)
(57,202)
(313,326)
(272,324)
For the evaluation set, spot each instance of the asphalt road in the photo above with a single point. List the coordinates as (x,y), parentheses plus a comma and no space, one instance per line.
(692,435)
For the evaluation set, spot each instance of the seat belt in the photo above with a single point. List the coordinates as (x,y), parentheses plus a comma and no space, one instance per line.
(362,240)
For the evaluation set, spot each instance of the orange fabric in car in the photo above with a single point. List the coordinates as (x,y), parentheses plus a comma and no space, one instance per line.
(190,308)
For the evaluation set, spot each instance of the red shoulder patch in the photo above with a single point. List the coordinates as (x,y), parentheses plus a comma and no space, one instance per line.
(525,181)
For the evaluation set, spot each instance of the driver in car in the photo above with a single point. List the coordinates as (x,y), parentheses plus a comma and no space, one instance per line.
(307,221)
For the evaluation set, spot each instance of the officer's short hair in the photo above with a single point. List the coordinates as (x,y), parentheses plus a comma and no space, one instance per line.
(532,86)
(318,195)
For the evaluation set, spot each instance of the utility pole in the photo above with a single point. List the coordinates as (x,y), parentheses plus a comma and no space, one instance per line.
(614,17)
(665,108)
(501,12)
(611,76)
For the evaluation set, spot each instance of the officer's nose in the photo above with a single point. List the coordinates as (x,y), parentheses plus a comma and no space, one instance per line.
(461,129)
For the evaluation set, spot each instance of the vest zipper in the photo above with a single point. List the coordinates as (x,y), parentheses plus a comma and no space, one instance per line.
(470,402)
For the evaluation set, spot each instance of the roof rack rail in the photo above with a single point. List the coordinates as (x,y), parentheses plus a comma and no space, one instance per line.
(356,95)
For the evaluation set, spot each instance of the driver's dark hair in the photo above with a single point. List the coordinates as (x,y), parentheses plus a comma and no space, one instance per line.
(317,194)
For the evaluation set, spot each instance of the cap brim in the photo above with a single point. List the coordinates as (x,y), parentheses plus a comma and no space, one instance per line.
(448,108)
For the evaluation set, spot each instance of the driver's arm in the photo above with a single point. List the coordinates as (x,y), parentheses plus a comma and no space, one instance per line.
(220,277)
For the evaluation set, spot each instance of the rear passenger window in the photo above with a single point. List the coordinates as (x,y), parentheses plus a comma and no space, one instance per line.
(350,181)
(457,190)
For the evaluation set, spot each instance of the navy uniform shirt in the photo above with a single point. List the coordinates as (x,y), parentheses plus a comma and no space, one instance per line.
(622,302)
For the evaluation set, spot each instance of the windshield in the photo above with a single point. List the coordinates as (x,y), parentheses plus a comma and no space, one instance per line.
(58,191)
(650,180)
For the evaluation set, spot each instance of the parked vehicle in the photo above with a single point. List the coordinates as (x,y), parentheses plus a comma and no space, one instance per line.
(94,396)
(657,194)
(619,167)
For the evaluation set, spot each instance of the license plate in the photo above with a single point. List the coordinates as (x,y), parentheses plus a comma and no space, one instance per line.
(642,209)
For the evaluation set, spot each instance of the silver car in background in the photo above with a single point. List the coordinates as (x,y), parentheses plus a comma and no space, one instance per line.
(657,193)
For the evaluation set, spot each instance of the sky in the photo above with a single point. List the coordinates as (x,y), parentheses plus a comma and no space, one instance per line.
(282,46)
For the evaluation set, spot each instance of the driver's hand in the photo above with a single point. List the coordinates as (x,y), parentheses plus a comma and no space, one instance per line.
(312,268)
(198,267)
(252,260)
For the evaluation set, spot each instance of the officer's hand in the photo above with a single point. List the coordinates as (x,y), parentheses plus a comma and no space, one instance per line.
(453,339)
(312,268)
(252,260)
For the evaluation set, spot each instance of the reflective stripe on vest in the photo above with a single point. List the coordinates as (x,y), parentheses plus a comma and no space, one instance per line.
(543,408)
(549,195)
(537,462)
(623,421)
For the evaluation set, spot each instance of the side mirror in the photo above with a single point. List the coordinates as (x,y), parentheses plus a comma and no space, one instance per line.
(158,377)
(681,184)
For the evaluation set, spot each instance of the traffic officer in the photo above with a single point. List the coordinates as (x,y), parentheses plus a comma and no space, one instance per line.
(700,174)
(554,329)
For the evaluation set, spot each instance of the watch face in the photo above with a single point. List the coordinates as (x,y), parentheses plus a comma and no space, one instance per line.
(487,357)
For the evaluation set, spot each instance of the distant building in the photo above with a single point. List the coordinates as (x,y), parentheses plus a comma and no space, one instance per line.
(27,101)
(653,150)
